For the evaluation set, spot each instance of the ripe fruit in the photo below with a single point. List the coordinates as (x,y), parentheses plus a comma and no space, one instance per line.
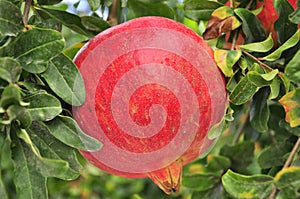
(153,92)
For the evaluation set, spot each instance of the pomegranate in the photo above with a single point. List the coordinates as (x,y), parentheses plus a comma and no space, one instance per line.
(153,93)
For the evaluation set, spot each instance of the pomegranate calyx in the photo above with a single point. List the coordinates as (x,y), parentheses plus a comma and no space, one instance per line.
(168,179)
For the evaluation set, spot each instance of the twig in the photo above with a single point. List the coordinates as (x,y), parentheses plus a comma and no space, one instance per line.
(231,3)
(262,65)
(113,15)
(287,164)
(292,154)
(26,11)
(235,37)
(249,5)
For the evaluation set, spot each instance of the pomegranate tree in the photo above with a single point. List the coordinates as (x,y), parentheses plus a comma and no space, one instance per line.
(153,94)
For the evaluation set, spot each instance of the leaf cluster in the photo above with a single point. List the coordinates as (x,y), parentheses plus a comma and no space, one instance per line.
(38,86)
(258,151)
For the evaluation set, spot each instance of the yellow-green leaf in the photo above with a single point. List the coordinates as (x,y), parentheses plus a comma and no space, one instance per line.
(225,60)
(288,44)
(263,46)
(291,104)
(288,182)
(241,186)
(292,70)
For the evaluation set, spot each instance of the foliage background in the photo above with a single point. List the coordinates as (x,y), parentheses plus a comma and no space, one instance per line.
(256,156)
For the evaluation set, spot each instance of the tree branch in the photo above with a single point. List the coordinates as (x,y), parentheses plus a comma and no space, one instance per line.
(113,13)
(287,164)
(263,65)
(26,11)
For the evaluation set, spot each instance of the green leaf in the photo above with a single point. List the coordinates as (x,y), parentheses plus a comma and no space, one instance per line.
(95,24)
(3,192)
(200,182)
(20,114)
(275,88)
(11,95)
(295,130)
(28,181)
(94,4)
(50,147)
(256,78)
(139,8)
(225,60)
(214,193)
(270,75)
(43,106)
(259,110)
(65,80)
(241,186)
(10,19)
(283,27)
(240,155)
(216,130)
(217,163)
(243,91)
(48,2)
(34,48)
(294,17)
(274,155)
(288,182)
(10,69)
(200,9)
(292,69)
(67,131)
(47,167)
(288,44)
(286,82)
(263,46)
(71,21)
(291,104)
(251,26)
(259,79)
(72,50)
(3,144)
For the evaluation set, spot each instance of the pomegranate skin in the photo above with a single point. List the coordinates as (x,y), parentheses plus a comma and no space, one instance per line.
(153,92)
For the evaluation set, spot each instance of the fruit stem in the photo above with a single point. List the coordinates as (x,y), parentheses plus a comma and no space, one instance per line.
(113,12)
(26,11)
(287,164)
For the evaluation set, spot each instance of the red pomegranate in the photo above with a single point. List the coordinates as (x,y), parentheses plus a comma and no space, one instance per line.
(153,93)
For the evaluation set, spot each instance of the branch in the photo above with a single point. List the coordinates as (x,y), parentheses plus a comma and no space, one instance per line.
(26,11)
(235,37)
(113,13)
(261,64)
(231,3)
(287,164)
